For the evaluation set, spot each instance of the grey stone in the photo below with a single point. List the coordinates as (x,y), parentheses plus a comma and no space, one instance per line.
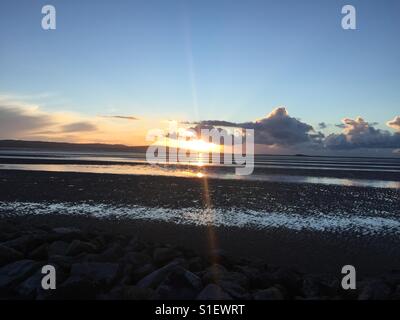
(16,272)
(154,279)
(58,248)
(131,293)
(8,255)
(375,290)
(74,288)
(78,246)
(40,253)
(213,292)
(272,293)
(180,284)
(136,259)
(164,255)
(102,274)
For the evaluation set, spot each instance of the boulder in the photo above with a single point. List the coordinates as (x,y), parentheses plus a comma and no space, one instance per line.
(57,248)
(219,256)
(40,253)
(288,278)
(235,290)
(195,264)
(101,274)
(375,290)
(67,233)
(74,288)
(318,286)
(164,255)
(219,275)
(25,243)
(213,292)
(111,254)
(272,293)
(213,273)
(131,293)
(136,259)
(180,284)
(8,255)
(15,272)
(78,246)
(154,279)
(31,288)
(140,272)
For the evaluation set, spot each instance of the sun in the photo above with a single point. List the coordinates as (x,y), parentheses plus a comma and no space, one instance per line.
(201,146)
(196,145)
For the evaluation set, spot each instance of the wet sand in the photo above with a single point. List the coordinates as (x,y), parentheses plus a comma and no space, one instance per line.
(306,250)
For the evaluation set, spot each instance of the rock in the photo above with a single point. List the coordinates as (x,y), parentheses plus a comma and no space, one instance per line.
(62,261)
(234,281)
(180,284)
(375,290)
(318,286)
(288,278)
(235,290)
(219,256)
(213,273)
(78,246)
(101,274)
(136,259)
(15,272)
(141,272)
(40,253)
(136,245)
(8,255)
(263,280)
(112,254)
(131,293)
(57,248)
(68,233)
(213,292)
(154,279)
(392,278)
(396,294)
(272,293)
(195,264)
(74,288)
(164,255)
(31,286)
(24,243)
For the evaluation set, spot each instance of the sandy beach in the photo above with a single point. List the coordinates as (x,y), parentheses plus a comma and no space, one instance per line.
(374,248)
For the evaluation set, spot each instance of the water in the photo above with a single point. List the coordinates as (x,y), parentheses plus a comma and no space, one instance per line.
(234,217)
(135,164)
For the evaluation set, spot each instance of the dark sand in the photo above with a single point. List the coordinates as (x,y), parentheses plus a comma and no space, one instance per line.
(306,250)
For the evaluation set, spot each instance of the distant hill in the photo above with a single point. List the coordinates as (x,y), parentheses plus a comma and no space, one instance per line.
(65,146)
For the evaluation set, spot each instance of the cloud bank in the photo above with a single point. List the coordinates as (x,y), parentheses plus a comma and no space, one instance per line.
(395,123)
(359,133)
(277,128)
(20,120)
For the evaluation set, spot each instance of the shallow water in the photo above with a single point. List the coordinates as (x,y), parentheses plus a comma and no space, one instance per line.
(235,217)
(198,172)
(135,164)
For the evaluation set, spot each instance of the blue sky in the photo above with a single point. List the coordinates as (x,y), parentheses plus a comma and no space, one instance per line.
(197,60)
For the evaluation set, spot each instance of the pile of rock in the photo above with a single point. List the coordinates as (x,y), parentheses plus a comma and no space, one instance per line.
(101,265)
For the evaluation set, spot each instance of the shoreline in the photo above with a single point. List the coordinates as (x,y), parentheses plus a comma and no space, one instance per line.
(307,250)
(292,171)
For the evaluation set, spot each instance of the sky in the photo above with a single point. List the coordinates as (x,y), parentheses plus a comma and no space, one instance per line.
(114,69)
